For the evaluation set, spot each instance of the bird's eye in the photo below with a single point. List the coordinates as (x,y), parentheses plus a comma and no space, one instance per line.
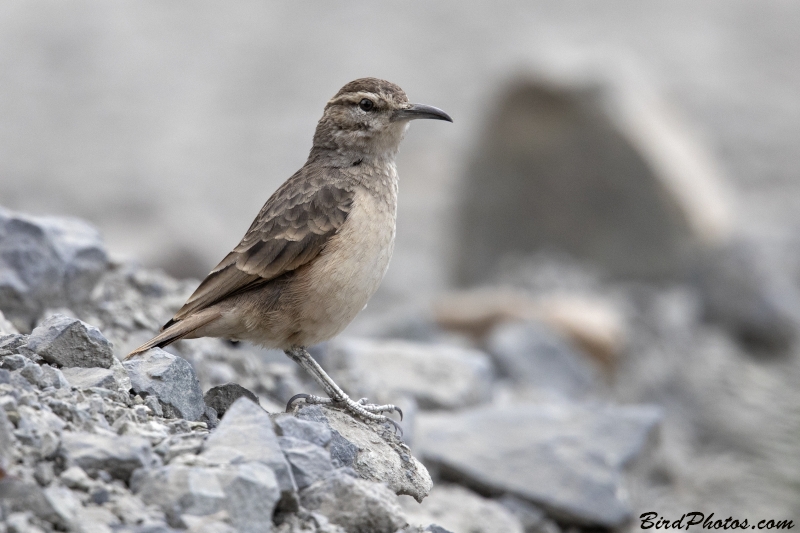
(366,104)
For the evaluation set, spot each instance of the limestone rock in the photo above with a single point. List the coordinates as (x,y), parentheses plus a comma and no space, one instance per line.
(379,455)
(565,458)
(68,342)
(169,378)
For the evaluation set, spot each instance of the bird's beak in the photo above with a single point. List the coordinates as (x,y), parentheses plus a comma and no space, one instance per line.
(414,111)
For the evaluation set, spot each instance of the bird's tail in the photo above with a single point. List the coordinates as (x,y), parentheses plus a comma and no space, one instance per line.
(175,331)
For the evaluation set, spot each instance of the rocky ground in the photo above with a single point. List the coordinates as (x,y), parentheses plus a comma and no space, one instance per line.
(567,403)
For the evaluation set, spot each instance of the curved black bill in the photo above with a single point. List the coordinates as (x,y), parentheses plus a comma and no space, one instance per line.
(421,111)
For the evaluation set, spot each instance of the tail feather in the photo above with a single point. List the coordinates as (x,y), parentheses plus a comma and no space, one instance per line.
(175,330)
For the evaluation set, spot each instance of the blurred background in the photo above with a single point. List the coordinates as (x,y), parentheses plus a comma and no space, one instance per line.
(625,173)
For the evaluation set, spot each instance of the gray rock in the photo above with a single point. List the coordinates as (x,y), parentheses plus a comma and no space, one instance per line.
(65,505)
(68,342)
(248,492)
(309,462)
(119,456)
(19,496)
(758,305)
(11,343)
(246,434)
(377,454)
(169,378)
(359,506)
(44,473)
(7,439)
(460,509)
(532,518)
(41,376)
(40,429)
(14,362)
(314,432)
(343,452)
(86,378)
(221,397)
(530,354)
(46,262)
(432,528)
(437,376)
(154,405)
(305,521)
(566,458)
(253,494)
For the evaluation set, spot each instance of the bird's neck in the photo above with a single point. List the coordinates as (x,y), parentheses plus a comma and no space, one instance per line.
(346,158)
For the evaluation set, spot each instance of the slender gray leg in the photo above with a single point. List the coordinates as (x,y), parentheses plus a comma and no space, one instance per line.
(336,395)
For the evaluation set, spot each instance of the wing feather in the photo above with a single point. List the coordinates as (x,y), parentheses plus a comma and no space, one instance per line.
(291,230)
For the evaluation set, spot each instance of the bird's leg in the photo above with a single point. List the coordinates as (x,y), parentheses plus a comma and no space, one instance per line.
(336,395)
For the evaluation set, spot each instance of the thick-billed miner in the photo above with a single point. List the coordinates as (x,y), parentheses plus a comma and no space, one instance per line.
(319,247)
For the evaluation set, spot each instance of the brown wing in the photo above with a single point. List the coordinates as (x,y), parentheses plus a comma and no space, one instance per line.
(291,229)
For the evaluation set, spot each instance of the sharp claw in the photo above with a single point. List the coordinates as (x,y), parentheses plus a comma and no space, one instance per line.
(294,399)
(400,412)
(396,426)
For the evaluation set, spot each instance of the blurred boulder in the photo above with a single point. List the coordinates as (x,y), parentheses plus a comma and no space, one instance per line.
(6,327)
(68,342)
(532,355)
(375,453)
(593,323)
(566,458)
(759,305)
(220,398)
(7,440)
(169,378)
(46,262)
(604,172)
(437,376)
(455,508)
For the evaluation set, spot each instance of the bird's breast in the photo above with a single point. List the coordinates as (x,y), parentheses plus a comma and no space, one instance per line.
(338,284)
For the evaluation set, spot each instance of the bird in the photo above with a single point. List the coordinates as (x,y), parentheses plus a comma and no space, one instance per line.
(319,247)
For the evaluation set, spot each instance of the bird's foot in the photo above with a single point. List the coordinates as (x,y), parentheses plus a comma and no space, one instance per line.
(361,408)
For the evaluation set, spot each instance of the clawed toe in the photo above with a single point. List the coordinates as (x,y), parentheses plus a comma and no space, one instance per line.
(361,408)
(307,398)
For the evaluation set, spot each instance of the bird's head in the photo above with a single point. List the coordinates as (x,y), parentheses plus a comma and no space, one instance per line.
(367,118)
